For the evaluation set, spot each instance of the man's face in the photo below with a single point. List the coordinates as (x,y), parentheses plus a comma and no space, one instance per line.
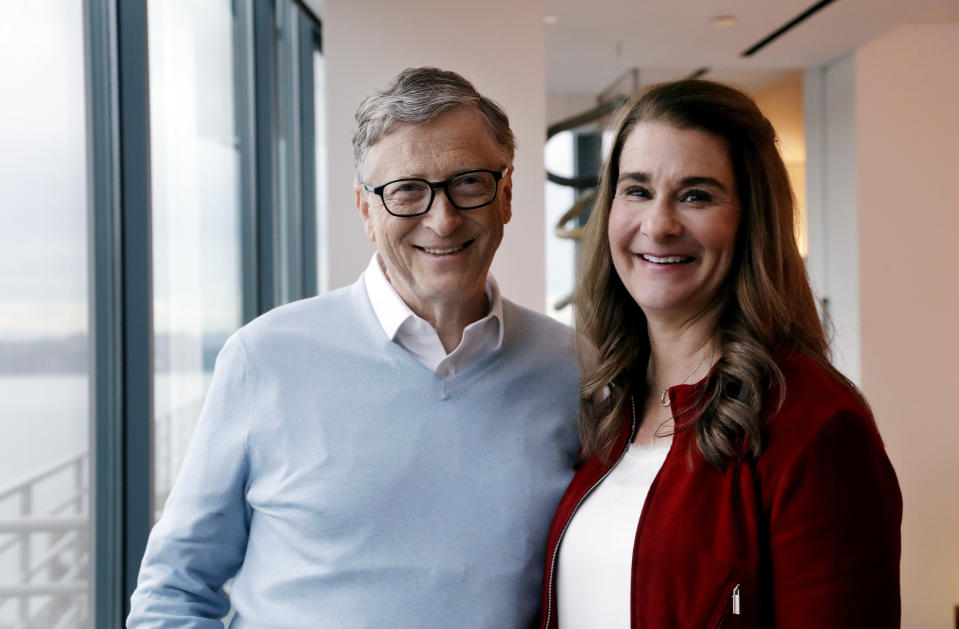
(441,258)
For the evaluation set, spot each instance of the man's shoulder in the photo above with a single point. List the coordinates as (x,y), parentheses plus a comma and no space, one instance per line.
(535,322)
(313,315)
(537,333)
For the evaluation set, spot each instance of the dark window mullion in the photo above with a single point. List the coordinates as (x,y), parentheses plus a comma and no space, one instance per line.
(263,64)
(106,402)
(121,299)
(244,57)
(136,283)
(308,42)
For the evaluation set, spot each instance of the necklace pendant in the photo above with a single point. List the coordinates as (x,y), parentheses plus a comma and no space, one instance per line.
(664,399)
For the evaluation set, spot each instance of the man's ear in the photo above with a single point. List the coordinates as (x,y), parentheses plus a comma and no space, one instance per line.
(363,205)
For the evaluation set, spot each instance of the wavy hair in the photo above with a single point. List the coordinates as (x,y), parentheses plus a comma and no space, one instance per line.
(766,304)
(418,95)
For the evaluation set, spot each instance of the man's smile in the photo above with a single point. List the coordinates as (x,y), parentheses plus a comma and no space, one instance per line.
(438,251)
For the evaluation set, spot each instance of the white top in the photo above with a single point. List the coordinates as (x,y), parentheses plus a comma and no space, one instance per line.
(595,558)
(414,334)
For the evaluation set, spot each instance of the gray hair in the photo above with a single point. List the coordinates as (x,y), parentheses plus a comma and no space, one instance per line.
(418,95)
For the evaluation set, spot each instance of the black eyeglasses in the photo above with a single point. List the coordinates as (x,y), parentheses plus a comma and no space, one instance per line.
(466,191)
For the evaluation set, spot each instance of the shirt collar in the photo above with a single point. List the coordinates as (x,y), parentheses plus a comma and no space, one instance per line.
(392,312)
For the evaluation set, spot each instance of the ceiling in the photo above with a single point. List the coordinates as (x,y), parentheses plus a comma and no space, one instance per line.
(593,42)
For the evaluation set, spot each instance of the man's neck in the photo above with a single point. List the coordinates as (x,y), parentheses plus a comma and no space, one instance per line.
(449,319)
(450,315)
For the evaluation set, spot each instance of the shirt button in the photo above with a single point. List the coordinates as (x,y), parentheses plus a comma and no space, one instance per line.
(444,371)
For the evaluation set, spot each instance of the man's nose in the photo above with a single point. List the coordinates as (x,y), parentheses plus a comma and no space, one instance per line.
(442,218)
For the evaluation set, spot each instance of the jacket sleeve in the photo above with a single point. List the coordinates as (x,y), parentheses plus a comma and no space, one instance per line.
(200,541)
(835,530)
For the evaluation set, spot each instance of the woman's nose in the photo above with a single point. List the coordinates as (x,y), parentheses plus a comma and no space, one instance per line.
(661,221)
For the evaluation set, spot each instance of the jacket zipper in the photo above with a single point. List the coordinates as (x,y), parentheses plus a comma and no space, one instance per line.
(734,606)
(559,540)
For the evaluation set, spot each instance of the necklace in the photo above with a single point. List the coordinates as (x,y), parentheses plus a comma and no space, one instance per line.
(664,398)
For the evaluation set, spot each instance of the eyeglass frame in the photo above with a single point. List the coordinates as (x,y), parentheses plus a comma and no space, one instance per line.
(433,185)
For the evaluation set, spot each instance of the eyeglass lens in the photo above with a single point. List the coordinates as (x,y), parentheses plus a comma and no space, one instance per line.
(466,191)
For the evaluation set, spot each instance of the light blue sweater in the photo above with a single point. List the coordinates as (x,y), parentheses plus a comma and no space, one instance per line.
(342,484)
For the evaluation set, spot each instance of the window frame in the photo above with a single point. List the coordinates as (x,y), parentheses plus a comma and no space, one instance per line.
(119,218)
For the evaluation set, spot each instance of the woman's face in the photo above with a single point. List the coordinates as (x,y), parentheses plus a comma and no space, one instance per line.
(673,222)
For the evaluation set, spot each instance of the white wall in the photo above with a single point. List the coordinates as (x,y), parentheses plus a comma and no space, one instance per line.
(883,150)
(500,46)
(907,130)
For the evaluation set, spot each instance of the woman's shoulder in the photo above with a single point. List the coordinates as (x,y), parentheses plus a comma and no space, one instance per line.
(814,390)
(816,404)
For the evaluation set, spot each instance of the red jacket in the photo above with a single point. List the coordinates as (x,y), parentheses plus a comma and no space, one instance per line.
(806,536)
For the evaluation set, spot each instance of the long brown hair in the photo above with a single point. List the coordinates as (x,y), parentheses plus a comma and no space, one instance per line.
(766,302)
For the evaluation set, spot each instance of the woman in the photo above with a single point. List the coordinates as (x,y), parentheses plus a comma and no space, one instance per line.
(732,477)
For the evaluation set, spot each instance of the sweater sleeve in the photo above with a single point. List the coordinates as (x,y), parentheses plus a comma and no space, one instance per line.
(834,530)
(200,541)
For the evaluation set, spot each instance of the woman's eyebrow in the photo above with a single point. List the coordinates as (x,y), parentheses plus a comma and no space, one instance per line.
(693,180)
(639,177)
(703,181)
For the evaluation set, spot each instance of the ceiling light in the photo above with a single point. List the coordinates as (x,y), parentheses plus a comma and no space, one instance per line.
(723,21)
(551,19)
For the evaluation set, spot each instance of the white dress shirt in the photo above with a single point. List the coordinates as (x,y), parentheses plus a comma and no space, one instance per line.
(414,334)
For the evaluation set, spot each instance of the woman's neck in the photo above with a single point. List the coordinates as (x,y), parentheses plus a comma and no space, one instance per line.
(681,353)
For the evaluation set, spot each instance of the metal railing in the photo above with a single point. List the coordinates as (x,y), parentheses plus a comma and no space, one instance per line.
(47,540)
(45,533)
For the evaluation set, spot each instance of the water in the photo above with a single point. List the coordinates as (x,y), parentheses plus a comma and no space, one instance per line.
(46,418)
(43,419)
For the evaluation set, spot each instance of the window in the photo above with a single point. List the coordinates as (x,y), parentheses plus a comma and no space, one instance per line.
(560,252)
(45,380)
(133,242)
(196,211)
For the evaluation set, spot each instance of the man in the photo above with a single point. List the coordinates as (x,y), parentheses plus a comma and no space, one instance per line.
(389,454)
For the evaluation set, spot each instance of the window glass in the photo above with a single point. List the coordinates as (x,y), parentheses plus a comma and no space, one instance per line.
(287,164)
(45,566)
(195,153)
(560,252)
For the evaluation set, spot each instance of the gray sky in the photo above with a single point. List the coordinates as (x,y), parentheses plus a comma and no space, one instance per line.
(43,170)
